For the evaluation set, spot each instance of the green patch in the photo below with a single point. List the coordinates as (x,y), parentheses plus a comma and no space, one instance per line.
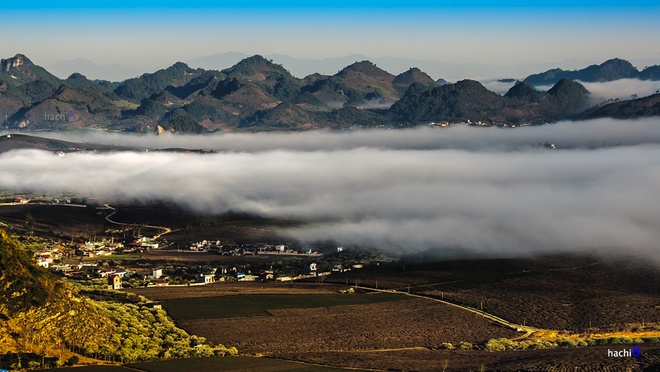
(258,305)
(123,256)
(230,364)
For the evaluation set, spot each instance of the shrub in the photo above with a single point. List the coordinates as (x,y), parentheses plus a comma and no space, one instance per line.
(448,346)
(495,345)
(463,345)
(73,360)
(566,342)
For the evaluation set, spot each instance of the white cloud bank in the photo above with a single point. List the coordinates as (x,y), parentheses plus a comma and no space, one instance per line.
(400,190)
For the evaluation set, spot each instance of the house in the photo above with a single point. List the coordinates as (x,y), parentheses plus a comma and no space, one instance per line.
(114,281)
(265,275)
(206,278)
(157,273)
(340,249)
(309,268)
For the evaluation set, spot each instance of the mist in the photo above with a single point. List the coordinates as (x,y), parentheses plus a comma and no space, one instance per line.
(487,191)
(566,134)
(621,89)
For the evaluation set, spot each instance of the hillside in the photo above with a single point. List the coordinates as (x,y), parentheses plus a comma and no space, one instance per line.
(635,108)
(38,313)
(42,316)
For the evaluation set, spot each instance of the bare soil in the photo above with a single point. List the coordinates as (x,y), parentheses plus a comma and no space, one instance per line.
(590,359)
(396,324)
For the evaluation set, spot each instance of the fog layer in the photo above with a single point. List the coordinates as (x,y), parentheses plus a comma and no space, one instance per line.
(399,190)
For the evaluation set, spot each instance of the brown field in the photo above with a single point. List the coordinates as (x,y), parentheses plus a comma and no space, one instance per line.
(54,220)
(397,324)
(67,222)
(564,293)
(232,289)
(588,359)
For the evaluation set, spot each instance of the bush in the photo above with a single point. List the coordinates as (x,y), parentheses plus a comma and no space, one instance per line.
(566,342)
(73,361)
(463,345)
(448,346)
(495,345)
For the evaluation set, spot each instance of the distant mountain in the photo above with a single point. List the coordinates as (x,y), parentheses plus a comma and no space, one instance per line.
(626,109)
(257,93)
(301,67)
(469,100)
(610,70)
(142,87)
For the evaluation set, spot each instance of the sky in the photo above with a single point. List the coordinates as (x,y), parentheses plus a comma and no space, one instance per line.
(488,191)
(145,35)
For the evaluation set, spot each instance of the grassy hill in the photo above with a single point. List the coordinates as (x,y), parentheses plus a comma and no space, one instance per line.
(42,316)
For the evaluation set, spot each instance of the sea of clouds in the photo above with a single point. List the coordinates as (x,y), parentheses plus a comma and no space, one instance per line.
(483,190)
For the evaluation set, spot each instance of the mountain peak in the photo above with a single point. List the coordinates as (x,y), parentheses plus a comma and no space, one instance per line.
(365,67)
(413,75)
(521,89)
(15,62)
(77,76)
(256,64)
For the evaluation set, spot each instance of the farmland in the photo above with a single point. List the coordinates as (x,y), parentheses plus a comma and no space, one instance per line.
(209,365)
(266,324)
(264,304)
(559,292)
(590,359)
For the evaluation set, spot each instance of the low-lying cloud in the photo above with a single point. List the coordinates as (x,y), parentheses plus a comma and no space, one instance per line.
(621,89)
(567,134)
(399,190)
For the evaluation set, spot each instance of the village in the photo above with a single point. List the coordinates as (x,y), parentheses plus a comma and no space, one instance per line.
(140,263)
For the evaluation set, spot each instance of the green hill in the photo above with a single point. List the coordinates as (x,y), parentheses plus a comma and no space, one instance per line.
(42,317)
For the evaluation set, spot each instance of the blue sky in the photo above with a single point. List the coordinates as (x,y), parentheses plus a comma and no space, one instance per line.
(149,34)
(83,4)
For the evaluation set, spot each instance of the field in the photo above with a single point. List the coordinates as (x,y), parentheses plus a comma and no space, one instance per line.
(561,292)
(588,359)
(54,221)
(70,222)
(264,304)
(296,319)
(229,364)
(402,334)
(233,288)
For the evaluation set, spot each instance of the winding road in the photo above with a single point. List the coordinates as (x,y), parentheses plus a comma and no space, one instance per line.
(163,229)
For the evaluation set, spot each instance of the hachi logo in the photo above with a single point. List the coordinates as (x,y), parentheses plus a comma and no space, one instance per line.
(635,352)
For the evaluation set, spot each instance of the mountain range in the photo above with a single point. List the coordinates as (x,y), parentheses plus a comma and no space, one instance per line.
(258,94)
(609,70)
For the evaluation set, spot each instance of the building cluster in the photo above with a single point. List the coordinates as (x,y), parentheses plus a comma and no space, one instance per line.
(234,249)
(478,123)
